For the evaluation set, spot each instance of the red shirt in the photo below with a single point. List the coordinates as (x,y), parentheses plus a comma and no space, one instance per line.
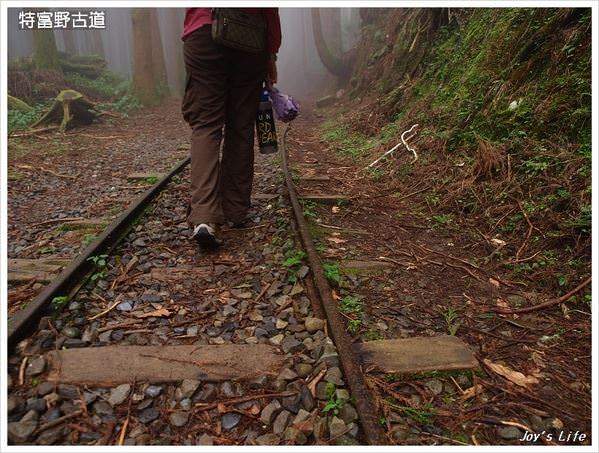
(198,17)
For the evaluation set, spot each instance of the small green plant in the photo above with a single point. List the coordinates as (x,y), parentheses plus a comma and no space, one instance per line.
(59,302)
(98,260)
(293,259)
(422,416)
(87,239)
(151,180)
(100,263)
(372,335)
(333,404)
(442,219)
(351,305)
(309,209)
(353,326)
(452,317)
(332,273)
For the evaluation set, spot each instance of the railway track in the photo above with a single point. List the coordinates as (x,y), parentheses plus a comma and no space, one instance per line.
(143,340)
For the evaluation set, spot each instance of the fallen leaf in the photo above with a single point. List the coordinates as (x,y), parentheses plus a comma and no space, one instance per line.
(498,242)
(557,423)
(502,303)
(494,282)
(334,295)
(511,375)
(156,313)
(335,209)
(472,392)
(222,408)
(336,240)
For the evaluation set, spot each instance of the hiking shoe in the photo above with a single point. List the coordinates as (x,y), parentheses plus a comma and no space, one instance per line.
(207,235)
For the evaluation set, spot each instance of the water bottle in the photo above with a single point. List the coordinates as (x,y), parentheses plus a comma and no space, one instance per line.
(265,125)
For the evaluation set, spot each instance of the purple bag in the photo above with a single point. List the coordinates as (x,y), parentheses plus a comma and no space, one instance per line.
(286,107)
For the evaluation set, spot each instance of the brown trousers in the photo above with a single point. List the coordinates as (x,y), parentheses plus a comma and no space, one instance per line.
(222,89)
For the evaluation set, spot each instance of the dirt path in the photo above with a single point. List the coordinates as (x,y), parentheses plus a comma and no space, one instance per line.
(434,278)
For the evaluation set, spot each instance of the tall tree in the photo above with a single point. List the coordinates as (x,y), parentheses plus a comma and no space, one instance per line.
(158,65)
(340,64)
(45,53)
(96,43)
(149,73)
(69,41)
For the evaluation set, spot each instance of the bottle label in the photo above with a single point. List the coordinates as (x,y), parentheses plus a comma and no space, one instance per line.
(265,124)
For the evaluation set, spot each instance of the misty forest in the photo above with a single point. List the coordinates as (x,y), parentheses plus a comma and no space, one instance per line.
(442,163)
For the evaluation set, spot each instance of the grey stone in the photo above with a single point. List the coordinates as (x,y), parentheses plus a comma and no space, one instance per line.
(276,340)
(293,402)
(102,408)
(331,359)
(231,389)
(509,432)
(124,306)
(337,427)
(20,432)
(259,382)
(205,439)
(144,404)
(313,324)
(536,423)
(434,385)
(185,404)
(52,414)
(36,404)
(52,435)
(303,369)
(206,394)
(153,391)
(342,394)
(44,388)
(71,343)
(90,335)
(294,436)
(89,397)
(287,374)
(71,332)
(268,439)
(290,344)
(148,415)
(230,420)
(188,387)
(334,375)
(281,422)
(307,398)
(68,392)
(348,414)
(270,411)
(178,418)
(36,366)
(119,394)
(321,391)
(14,404)
(321,429)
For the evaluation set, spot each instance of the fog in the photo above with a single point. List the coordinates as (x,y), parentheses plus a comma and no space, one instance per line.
(301,72)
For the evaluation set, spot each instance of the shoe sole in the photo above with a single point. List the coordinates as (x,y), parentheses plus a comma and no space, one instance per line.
(206,240)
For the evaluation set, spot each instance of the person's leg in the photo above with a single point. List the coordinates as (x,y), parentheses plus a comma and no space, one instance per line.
(204,109)
(246,73)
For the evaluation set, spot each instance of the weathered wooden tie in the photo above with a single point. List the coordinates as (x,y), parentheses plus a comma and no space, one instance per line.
(355,267)
(413,355)
(111,365)
(42,270)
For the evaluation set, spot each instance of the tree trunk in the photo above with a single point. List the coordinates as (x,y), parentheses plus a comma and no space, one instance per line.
(97,44)
(340,65)
(69,42)
(158,65)
(176,19)
(45,53)
(143,80)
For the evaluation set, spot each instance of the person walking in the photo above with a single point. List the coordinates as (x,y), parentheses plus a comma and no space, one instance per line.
(223,91)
